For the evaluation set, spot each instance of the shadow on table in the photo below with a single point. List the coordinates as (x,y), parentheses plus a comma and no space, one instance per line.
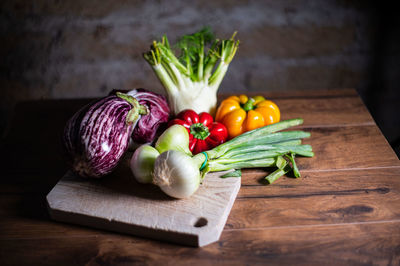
(32,160)
(32,143)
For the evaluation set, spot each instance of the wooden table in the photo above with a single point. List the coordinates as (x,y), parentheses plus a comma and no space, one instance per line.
(344,210)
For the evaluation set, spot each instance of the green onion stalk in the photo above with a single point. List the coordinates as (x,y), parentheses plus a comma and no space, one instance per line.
(179,174)
(192,77)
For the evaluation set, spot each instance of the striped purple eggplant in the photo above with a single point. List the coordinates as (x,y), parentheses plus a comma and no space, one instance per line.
(97,136)
(155,121)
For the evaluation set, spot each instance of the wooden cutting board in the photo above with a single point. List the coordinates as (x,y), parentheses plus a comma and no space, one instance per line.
(118,203)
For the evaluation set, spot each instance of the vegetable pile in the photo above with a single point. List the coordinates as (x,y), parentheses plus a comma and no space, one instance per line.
(180,140)
(179,174)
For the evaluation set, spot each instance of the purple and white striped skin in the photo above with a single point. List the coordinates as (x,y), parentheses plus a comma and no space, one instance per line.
(155,120)
(97,136)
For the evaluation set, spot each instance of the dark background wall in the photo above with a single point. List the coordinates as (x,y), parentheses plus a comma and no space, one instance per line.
(70,49)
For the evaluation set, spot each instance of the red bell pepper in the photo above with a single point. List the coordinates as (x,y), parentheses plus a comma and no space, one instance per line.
(204,133)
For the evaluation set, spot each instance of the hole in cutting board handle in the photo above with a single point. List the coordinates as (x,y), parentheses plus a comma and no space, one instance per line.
(201,222)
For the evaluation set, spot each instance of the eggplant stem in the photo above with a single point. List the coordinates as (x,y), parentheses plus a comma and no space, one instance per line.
(137,108)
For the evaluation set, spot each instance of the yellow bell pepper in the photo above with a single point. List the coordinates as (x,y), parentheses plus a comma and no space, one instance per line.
(241,113)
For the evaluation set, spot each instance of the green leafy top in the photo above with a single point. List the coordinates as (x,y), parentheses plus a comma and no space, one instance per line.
(193,51)
(199,53)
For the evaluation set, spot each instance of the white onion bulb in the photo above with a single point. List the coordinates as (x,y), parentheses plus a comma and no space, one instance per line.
(177,174)
(142,163)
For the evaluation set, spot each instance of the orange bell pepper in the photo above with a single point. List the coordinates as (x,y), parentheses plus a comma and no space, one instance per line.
(241,113)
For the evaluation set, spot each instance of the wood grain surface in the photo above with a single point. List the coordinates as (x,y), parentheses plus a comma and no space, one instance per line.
(344,210)
(119,203)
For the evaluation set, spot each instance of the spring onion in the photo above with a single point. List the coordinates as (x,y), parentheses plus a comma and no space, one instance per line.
(144,157)
(142,163)
(175,137)
(179,174)
(192,78)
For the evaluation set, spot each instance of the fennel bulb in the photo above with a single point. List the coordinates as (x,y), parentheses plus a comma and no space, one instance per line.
(192,78)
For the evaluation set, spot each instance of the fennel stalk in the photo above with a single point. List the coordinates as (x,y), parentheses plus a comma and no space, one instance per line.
(192,78)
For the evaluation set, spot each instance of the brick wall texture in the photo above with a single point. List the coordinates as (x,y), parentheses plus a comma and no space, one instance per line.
(84,48)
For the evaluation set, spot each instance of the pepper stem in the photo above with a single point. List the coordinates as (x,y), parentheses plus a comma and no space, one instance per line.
(199,131)
(249,105)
